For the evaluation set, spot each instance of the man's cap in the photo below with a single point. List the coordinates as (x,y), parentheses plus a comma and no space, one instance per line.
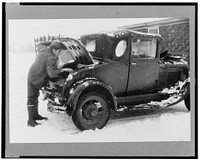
(58,44)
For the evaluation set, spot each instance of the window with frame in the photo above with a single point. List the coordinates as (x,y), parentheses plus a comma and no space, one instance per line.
(143,48)
(91,45)
(120,48)
(154,30)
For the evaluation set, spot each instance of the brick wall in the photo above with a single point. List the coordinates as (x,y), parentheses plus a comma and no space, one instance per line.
(176,38)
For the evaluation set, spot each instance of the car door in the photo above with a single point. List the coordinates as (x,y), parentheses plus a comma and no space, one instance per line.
(144,66)
(115,70)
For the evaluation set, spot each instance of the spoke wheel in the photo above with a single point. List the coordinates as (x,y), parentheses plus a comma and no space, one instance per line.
(92,111)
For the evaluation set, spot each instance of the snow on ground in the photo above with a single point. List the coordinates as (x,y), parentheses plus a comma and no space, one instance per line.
(172,124)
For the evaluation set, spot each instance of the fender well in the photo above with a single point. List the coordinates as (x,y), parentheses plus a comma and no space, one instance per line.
(104,91)
(91,85)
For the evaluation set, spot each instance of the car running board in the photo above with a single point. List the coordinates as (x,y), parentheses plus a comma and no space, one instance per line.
(144,98)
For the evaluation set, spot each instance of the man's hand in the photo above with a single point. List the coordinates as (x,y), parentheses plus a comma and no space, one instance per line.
(65,72)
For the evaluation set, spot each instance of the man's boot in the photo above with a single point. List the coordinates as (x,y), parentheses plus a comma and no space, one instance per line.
(31,122)
(36,115)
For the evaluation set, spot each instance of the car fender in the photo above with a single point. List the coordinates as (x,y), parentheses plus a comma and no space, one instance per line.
(186,86)
(85,85)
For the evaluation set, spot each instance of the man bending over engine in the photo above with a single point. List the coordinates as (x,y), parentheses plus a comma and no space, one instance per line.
(45,65)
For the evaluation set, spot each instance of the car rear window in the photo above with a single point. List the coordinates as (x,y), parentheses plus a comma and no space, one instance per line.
(91,45)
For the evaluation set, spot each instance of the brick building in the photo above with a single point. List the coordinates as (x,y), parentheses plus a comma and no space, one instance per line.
(175,32)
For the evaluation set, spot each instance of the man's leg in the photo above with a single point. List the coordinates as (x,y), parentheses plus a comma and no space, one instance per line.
(37,116)
(31,122)
(32,97)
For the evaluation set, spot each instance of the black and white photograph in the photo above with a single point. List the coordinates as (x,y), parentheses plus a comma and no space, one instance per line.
(92,79)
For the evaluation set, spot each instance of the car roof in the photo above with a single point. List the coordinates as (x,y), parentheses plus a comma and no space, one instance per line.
(122,33)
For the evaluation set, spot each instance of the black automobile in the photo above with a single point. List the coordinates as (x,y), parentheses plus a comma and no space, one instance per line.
(114,69)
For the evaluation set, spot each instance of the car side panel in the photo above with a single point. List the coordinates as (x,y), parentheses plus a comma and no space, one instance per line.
(143,77)
(115,75)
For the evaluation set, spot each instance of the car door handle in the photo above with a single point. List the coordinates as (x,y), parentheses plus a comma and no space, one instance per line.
(133,64)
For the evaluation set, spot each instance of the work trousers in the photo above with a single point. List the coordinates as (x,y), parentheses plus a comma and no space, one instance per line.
(32,94)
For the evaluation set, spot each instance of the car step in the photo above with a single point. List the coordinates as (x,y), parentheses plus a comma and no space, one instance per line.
(141,99)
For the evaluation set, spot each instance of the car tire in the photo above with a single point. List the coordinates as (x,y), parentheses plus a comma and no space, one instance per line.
(92,111)
(187,102)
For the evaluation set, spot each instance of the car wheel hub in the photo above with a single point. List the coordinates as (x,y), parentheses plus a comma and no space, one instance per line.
(91,111)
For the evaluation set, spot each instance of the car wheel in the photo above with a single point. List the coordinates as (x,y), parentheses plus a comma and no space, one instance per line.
(187,102)
(92,111)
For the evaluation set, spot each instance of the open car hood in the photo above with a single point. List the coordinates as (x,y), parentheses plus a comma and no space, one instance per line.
(75,50)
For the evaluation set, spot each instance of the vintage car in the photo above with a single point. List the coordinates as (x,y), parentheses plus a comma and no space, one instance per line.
(118,68)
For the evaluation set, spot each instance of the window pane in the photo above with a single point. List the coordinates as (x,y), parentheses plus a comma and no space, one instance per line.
(121,48)
(154,30)
(91,45)
(144,48)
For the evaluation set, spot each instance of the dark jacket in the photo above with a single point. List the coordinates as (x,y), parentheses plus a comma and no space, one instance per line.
(45,65)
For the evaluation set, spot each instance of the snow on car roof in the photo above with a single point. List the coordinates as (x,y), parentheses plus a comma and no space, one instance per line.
(123,33)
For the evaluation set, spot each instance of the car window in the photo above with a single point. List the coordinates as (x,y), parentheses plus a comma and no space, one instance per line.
(91,45)
(143,48)
(120,48)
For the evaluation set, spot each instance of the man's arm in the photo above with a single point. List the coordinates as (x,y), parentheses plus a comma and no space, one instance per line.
(51,67)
